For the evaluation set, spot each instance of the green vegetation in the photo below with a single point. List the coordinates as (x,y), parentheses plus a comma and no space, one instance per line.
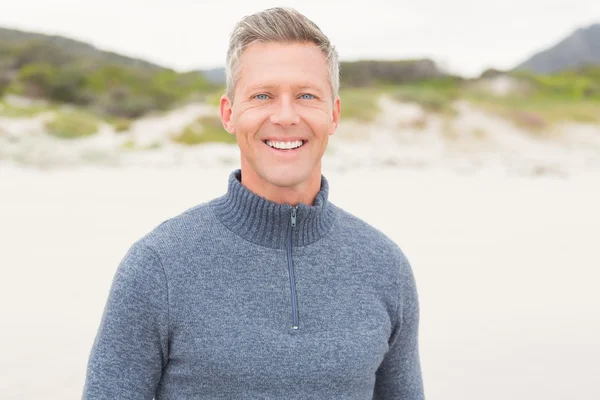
(367,73)
(154,145)
(204,130)
(435,95)
(360,103)
(110,85)
(121,124)
(9,110)
(213,98)
(543,100)
(4,82)
(538,113)
(104,86)
(577,84)
(129,144)
(109,89)
(363,82)
(547,99)
(72,125)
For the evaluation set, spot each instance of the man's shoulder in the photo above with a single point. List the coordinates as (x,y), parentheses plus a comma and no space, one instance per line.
(364,235)
(191,224)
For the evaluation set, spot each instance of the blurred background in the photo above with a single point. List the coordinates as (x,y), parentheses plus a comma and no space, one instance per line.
(475,125)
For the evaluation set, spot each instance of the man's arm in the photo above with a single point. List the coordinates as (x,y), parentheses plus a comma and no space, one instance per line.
(399,375)
(131,345)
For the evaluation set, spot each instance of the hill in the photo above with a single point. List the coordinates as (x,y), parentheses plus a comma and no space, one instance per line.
(579,49)
(64,70)
(215,75)
(71,49)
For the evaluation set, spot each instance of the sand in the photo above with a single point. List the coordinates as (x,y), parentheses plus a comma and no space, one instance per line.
(507,269)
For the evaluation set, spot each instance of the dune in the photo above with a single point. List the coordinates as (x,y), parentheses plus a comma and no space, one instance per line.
(403,135)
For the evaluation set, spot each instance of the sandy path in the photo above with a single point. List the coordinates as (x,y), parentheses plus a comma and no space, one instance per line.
(507,271)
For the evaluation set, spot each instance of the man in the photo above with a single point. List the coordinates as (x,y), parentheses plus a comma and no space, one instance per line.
(269,291)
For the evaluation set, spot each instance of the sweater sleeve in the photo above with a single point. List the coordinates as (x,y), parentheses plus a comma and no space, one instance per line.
(399,375)
(131,346)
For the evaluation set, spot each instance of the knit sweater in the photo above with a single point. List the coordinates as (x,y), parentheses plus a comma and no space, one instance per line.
(244,298)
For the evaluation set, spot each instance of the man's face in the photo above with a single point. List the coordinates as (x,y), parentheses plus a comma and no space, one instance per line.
(282,99)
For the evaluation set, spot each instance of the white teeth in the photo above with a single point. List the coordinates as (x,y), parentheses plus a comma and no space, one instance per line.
(285,145)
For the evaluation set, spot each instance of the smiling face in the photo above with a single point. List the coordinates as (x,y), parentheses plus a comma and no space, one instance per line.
(282,115)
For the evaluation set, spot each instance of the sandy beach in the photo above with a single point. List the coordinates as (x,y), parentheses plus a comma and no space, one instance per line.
(506,268)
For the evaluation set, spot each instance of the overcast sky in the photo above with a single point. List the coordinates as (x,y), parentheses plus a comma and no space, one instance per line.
(464,36)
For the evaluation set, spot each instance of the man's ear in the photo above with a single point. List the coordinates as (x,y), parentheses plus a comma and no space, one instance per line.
(336,112)
(226,112)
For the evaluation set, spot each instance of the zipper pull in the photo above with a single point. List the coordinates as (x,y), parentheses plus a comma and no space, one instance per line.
(293,216)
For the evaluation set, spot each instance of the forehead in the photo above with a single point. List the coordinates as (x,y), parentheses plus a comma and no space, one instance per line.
(279,64)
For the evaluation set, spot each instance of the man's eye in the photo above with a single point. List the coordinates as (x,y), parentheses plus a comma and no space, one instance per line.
(261,96)
(307,96)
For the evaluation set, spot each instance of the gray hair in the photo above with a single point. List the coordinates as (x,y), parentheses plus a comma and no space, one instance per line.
(278,25)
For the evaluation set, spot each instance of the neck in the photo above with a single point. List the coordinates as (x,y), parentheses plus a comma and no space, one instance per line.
(303,192)
(266,223)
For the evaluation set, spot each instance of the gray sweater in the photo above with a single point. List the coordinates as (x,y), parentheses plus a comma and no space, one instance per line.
(244,298)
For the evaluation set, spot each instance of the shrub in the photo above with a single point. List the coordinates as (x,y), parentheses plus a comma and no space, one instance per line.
(4,82)
(129,144)
(205,129)
(122,124)
(72,125)
(37,79)
(106,86)
(214,98)
(121,102)
(68,86)
(434,95)
(360,104)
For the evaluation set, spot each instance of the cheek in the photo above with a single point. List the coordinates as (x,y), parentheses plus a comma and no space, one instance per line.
(319,122)
(249,121)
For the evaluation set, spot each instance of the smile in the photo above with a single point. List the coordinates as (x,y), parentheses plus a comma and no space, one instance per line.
(285,146)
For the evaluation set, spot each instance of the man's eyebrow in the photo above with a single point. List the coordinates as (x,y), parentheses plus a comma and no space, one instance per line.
(260,86)
(308,86)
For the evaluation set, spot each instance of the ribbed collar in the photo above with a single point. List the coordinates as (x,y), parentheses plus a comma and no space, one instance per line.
(266,223)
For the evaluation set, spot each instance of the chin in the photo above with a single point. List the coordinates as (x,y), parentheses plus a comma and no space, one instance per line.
(285,177)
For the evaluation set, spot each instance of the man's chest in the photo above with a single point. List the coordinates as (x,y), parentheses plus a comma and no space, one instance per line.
(237,323)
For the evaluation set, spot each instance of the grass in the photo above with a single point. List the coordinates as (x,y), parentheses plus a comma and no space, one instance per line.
(154,145)
(360,104)
(549,99)
(536,113)
(121,124)
(431,99)
(12,111)
(129,144)
(207,129)
(72,125)
(214,98)
(436,95)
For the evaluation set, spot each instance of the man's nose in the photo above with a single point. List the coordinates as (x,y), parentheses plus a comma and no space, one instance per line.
(285,113)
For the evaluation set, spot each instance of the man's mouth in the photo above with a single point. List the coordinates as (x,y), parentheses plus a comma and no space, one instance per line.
(285,146)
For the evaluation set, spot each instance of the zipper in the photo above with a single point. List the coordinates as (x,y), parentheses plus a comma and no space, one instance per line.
(292,225)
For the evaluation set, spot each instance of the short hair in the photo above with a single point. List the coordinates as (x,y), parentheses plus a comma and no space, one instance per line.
(278,25)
